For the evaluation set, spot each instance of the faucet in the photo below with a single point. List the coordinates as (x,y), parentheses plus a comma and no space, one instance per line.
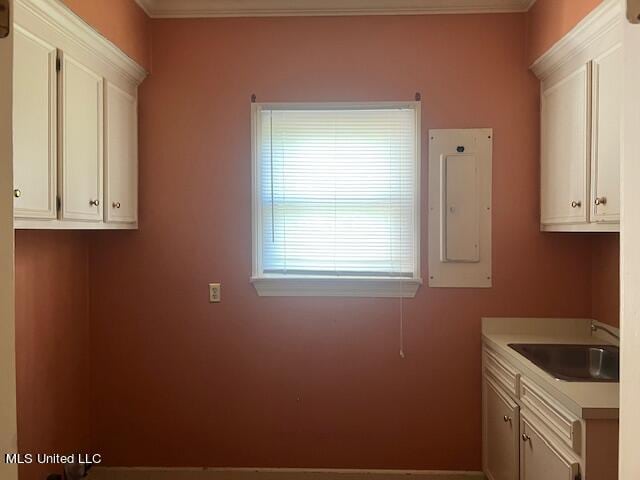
(595,327)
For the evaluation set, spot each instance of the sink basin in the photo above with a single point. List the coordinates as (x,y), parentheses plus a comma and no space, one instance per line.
(574,363)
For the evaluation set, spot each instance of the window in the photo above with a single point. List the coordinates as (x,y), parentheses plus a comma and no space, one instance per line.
(336,199)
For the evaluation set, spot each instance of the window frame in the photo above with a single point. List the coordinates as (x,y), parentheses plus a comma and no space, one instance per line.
(267,284)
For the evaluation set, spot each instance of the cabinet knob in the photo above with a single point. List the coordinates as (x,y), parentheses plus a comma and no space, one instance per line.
(575,204)
(17,193)
(601,201)
(525,437)
(94,203)
(506,418)
(115,204)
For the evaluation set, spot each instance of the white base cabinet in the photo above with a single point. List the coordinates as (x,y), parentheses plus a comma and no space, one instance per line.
(542,457)
(501,426)
(75,116)
(527,434)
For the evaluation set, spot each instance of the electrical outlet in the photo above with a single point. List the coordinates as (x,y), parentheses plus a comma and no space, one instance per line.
(214,293)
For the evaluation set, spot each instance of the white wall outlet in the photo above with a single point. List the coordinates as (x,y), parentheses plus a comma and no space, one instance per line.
(214,293)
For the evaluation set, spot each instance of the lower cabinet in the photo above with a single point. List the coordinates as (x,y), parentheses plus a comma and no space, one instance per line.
(530,434)
(501,423)
(542,458)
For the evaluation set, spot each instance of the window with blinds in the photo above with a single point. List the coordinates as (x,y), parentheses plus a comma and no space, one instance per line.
(337,192)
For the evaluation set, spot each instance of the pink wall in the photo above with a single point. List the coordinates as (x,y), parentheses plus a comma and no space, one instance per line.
(121,21)
(605,283)
(52,345)
(52,295)
(318,382)
(549,20)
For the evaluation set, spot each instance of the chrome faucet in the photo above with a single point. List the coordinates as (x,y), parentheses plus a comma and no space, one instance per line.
(595,327)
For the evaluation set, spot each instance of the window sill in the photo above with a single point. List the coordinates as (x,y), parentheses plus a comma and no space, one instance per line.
(303,286)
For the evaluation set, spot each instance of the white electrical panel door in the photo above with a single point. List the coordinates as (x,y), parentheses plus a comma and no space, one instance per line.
(460,235)
(81,98)
(607,111)
(34,133)
(460,208)
(121,158)
(565,140)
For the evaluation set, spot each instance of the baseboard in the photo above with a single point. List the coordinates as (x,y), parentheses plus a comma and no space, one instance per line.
(142,473)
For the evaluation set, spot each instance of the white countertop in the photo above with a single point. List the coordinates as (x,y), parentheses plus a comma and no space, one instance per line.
(588,400)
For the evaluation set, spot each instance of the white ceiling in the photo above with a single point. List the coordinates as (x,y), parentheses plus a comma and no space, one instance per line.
(271,8)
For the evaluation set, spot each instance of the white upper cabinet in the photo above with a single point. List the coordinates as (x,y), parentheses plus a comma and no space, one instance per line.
(607,111)
(565,147)
(581,106)
(75,123)
(34,117)
(121,159)
(81,135)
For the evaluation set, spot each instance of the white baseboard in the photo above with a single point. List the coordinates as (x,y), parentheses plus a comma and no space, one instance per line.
(143,473)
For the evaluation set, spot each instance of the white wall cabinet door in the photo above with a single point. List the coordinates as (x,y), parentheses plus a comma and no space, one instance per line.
(34,117)
(607,111)
(121,160)
(81,136)
(565,149)
(541,458)
(501,423)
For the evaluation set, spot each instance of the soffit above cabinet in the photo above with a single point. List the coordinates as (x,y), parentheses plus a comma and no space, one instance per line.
(273,8)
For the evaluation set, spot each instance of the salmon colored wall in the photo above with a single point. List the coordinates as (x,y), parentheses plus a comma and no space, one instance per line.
(309,382)
(121,21)
(52,345)
(605,284)
(549,20)
(52,296)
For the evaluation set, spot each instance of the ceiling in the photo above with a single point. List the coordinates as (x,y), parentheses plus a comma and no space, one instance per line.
(271,8)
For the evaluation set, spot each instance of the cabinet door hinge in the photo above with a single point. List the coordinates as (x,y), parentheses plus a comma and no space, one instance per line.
(578,476)
(58,66)
(58,203)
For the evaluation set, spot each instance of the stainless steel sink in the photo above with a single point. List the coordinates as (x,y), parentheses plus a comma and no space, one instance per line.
(574,363)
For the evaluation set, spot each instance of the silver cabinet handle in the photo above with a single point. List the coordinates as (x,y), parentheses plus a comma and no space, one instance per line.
(115,204)
(506,418)
(17,193)
(575,204)
(525,437)
(600,201)
(94,203)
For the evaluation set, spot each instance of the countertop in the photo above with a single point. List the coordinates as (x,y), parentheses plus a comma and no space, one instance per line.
(587,400)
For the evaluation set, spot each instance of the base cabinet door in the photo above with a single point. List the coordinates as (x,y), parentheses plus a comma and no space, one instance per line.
(81,134)
(121,156)
(501,427)
(542,458)
(34,133)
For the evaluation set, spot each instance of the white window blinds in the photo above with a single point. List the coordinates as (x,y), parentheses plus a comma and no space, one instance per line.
(337,191)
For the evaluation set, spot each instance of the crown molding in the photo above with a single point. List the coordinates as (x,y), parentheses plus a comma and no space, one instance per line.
(607,16)
(287,8)
(59,18)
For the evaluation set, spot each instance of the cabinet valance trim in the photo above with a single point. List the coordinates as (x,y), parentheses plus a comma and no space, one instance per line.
(601,20)
(56,15)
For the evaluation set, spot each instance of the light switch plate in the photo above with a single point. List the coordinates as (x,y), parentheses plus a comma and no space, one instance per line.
(214,293)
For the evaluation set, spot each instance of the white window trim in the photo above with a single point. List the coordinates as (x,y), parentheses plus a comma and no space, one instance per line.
(269,285)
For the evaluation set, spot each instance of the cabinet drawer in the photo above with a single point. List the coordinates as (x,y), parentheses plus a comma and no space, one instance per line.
(559,420)
(501,372)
